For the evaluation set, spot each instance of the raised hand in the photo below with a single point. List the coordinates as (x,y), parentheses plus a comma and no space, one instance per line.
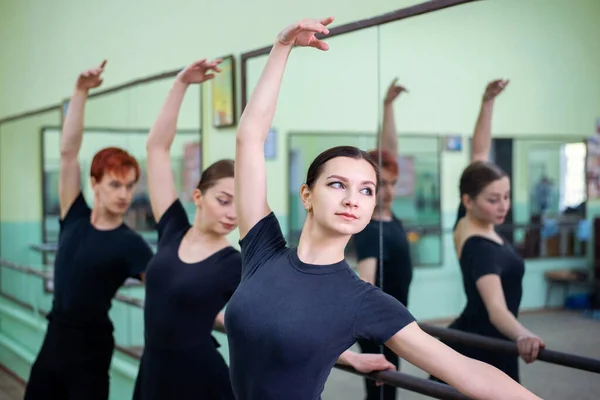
(393,91)
(302,33)
(198,71)
(91,78)
(529,347)
(494,88)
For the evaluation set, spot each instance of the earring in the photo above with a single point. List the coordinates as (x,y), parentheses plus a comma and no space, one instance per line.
(308,209)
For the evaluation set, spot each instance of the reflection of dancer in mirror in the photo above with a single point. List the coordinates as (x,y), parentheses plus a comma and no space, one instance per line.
(97,252)
(298,309)
(397,263)
(194,271)
(491,268)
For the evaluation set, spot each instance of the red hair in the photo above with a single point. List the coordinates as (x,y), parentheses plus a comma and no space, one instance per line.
(388,160)
(113,160)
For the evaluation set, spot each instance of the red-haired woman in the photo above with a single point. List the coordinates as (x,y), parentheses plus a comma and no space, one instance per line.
(97,252)
(396,260)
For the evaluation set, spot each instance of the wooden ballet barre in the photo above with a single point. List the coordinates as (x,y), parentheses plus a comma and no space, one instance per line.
(405,381)
(506,346)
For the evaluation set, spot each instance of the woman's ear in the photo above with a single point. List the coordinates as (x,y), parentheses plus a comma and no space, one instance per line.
(197,197)
(305,197)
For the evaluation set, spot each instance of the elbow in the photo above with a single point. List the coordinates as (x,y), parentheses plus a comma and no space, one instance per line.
(67,153)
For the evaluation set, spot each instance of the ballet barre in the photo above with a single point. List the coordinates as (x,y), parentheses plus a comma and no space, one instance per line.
(506,346)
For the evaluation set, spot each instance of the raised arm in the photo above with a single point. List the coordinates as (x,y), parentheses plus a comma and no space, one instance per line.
(475,379)
(482,137)
(255,122)
(490,289)
(69,184)
(161,184)
(389,136)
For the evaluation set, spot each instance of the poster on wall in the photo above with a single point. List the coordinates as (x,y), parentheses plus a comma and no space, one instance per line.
(192,169)
(405,185)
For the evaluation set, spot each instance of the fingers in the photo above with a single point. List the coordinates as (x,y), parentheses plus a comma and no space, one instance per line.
(102,64)
(326,21)
(535,349)
(312,26)
(390,366)
(319,44)
(209,76)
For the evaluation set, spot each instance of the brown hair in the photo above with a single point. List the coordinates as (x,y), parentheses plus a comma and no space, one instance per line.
(217,171)
(316,167)
(477,176)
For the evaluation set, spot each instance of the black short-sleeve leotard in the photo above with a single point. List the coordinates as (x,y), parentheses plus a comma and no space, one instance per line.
(481,256)
(180,359)
(289,321)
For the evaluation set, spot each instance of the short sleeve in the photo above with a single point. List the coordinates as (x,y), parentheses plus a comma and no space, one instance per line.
(462,212)
(366,244)
(261,243)
(78,210)
(138,256)
(478,258)
(380,316)
(172,222)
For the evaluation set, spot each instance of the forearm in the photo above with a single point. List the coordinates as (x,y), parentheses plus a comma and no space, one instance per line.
(389,139)
(507,324)
(72,132)
(257,117)
(163,131)
(482,136)
(484,382)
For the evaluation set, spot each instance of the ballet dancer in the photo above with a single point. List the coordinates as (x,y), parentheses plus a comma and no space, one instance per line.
(297,309)
(96,253)
(492,270)
(397,262)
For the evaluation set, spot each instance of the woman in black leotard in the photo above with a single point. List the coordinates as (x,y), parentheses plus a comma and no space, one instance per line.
(194,272)
(397,262)
(297,309)
(491,268)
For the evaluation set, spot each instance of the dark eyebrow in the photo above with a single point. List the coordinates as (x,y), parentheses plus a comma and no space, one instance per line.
(341,178)
(226,194)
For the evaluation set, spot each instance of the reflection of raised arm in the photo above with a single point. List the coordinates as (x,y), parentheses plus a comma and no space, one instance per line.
(69,184)
(482,137)
(389,139)
(473,378)
(255,122)
(161,184)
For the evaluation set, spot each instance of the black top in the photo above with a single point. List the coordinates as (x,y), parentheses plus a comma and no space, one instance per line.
(288,321)
(481,256)
(183,299)
(91,265)
(397,263)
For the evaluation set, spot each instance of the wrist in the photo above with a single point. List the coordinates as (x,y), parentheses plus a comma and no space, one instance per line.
(179,82)
(81,92)
(348,357)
